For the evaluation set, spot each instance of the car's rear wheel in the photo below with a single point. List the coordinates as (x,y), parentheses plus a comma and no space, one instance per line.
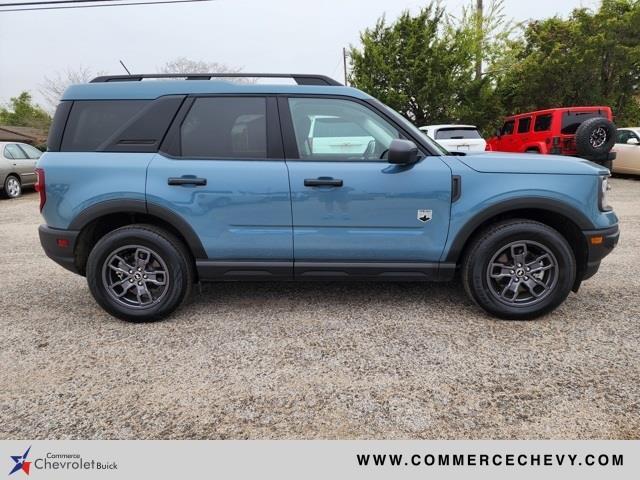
(519,269)
(139,273)
(12,186)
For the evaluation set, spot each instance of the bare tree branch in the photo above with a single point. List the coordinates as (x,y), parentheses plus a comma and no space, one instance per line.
(53,87)
(186,65)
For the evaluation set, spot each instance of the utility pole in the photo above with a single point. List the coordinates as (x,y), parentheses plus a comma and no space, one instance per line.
(344,64)
(479,38)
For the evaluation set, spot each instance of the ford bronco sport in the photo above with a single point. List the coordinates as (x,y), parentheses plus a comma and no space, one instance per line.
(586,132)
(150,186)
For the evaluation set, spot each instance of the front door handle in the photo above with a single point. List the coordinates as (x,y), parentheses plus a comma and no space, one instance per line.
(187,181)
(322,182)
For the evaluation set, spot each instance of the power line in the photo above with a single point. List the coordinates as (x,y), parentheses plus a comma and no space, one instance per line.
(101,5)
(54,2)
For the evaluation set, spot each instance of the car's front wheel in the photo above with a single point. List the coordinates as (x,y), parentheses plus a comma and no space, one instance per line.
(519,269)
(139,273)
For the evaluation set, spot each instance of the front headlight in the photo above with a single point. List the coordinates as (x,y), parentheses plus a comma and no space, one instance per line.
(603,200)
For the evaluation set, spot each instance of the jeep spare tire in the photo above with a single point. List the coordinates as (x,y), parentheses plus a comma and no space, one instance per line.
(595,137)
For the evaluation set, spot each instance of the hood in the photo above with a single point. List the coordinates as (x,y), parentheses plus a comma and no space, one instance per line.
(500,162)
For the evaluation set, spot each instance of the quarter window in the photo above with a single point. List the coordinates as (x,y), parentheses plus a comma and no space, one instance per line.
(542,124)
(92,122)
(334,129)
(225,127)
(524,125)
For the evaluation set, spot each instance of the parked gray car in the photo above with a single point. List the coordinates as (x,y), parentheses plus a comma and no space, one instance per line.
(17,167)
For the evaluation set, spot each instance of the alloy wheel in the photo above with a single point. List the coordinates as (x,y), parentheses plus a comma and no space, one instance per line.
(522,273)
(598,137)
(135,276)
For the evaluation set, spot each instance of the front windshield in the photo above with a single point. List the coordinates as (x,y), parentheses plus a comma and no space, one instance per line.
(416,132)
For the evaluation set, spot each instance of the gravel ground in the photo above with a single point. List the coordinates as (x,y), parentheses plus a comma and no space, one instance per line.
(316,360)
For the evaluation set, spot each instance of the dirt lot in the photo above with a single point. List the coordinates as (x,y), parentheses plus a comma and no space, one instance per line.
(316,360)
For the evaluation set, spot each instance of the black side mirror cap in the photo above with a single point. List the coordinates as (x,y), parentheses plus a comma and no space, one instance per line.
(402,152)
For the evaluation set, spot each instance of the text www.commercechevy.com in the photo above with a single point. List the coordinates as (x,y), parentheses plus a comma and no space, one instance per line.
(489,460)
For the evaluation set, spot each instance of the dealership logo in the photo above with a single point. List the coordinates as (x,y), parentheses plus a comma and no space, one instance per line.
(59,461)
(21,462)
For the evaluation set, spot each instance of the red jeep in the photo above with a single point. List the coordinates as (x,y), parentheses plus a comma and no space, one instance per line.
(586,132)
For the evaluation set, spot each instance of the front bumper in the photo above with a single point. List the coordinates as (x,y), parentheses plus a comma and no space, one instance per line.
(600,243)
(59,245)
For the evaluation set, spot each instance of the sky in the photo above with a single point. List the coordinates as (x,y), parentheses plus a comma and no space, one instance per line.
(291,36)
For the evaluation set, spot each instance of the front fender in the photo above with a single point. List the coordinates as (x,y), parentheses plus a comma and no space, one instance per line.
(459,240)
(485,196)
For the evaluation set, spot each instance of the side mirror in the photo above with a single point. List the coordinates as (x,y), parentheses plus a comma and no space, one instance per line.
(402,152)
(498,133)
(633,141)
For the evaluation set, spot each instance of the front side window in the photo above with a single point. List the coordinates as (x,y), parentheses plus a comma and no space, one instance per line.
(524,124)
(15,152)
(623,136)
(335,129)
(225,127)
(507,128)
(543,123)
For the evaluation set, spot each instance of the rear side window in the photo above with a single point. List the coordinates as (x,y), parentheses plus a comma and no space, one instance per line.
(225,127)
(543,123)
(507,128)
(92,122)
(572,120)
(457,133)
(524,125)
(32,152)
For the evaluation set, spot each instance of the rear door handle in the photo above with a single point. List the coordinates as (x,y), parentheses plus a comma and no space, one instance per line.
(187,181)
(322,182)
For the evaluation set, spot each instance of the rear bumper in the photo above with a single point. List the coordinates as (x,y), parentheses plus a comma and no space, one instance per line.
(59,246)
(608,157)
(600,243)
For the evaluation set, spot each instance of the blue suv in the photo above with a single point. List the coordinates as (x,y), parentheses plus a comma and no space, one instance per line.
(151,186)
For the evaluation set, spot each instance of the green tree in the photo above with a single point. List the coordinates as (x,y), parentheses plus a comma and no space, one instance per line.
(22,112)
(424,65)
(590,58)
(488,33)
(413,65)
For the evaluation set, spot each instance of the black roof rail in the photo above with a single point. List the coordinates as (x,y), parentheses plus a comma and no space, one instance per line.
(301,79)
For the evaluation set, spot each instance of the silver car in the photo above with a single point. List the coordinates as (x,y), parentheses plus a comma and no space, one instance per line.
(17,167)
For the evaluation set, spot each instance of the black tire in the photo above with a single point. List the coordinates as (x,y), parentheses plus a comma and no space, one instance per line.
(510,235)
(164,253)
(12,186)
(533,150)
(595,137)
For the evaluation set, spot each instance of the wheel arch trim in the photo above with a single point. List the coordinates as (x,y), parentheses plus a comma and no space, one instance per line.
(125,206)
(552,206)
